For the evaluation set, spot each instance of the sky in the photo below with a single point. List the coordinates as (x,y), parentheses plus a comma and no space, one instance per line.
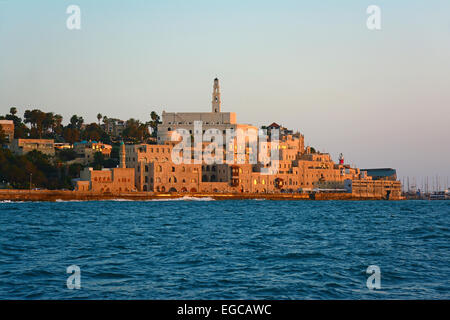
(381,97)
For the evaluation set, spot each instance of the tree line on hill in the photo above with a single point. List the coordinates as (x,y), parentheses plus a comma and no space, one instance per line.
(37,124)
(36,170)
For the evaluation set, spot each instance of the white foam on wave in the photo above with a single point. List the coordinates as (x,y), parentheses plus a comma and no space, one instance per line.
(10,201)
(185,198)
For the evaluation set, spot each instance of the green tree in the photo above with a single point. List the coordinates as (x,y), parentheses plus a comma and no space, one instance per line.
(71,135)
(99,160)
(76,122)
(155,120)
(135,131)
(58,127)
(99,117)
(36,118)
(67,155)
(93,132)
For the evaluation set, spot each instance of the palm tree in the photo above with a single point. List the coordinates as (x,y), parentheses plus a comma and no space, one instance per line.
(74,120)
(49,122)
(99,117)
(58,123)
(154,122)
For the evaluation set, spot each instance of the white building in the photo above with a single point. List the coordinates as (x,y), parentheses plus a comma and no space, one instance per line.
(215,119)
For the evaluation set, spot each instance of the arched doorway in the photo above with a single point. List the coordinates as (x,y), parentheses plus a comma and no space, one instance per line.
(278,183)
(193,190)
(173,190)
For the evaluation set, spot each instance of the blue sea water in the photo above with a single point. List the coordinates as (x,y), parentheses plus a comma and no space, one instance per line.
(225,249)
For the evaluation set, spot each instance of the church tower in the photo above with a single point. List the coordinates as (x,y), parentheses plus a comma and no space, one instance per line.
(216,97)
(122,153)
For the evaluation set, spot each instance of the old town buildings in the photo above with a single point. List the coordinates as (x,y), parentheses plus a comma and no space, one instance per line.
(86,151)
(115,180)
(298,168)
(219,155)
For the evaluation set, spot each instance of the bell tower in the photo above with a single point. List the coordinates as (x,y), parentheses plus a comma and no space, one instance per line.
(216,97)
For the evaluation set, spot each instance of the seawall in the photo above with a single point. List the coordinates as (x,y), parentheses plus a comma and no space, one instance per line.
(57,195)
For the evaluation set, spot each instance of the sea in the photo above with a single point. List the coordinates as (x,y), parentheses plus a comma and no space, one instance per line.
(244,249)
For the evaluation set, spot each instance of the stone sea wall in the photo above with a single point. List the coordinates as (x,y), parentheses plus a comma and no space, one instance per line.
(57,195)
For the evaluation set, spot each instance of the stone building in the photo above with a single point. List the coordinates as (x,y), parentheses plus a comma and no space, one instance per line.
(215,120)
(86,151)
(23,146)
(298,169)
(8,128)
(115,181)
(114,127)
(386,189)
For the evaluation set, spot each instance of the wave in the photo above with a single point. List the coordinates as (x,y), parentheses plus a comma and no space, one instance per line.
(10,201)
(185,198)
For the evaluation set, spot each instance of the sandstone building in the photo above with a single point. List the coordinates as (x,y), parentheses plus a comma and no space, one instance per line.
(86,151)
(299,169)
(115,181)
(23,146)
(215,120)
(8,128)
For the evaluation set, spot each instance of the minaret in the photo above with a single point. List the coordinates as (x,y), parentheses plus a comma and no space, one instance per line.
(216,97)
(122,163)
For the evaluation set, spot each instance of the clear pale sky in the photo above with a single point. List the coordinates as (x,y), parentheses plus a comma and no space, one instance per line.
(380,97)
